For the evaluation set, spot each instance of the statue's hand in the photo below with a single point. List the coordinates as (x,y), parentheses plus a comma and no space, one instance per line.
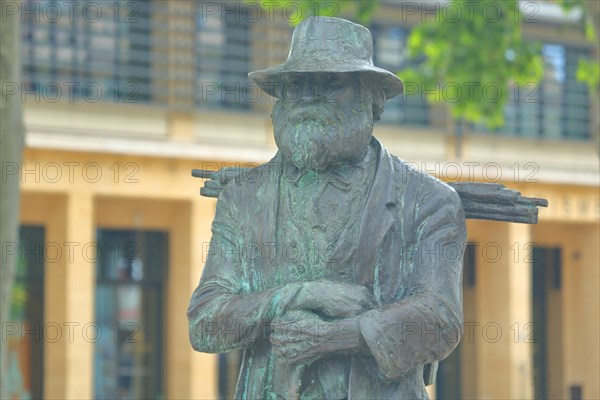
(300,337)
(334,300)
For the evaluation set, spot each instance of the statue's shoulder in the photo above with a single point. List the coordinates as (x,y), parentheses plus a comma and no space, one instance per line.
(427,186)
(248,180)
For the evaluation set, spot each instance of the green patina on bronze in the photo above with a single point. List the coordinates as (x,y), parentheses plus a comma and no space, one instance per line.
(336,266)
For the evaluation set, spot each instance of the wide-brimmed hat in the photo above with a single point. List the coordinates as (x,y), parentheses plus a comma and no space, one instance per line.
(328,44)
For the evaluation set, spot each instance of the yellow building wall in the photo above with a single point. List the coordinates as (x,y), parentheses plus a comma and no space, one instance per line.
(580,302)
(118,191)
(102,190)
(128,166)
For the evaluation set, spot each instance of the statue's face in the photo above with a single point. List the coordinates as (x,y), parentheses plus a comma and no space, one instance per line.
(322,120)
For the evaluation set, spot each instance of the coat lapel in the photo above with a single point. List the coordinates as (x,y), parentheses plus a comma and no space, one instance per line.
(259,230)
(377,218)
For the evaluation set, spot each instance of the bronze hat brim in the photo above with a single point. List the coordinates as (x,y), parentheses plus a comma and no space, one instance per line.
(268,79)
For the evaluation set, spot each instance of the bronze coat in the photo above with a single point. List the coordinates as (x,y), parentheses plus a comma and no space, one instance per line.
(409,254)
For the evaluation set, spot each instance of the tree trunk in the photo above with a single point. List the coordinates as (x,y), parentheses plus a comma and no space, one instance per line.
(11,150)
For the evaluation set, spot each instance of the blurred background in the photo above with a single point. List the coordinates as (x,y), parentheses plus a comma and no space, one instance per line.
(121,100)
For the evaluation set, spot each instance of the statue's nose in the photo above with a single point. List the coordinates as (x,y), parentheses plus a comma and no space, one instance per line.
(310,93)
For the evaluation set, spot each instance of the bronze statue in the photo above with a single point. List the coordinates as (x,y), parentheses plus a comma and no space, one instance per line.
(335,266)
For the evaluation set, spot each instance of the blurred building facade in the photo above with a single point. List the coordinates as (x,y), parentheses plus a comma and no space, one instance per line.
(121,101)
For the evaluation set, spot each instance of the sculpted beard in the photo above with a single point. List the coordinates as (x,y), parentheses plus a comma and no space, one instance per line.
(314,136)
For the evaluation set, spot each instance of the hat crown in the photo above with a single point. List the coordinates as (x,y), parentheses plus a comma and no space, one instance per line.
(331,37)
(329,45)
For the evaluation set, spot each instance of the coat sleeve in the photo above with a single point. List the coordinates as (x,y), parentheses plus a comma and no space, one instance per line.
(425,325)
(223,314)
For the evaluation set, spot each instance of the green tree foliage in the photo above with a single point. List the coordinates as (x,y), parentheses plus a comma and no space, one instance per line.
(472,54)
(297,10)
(588,71)
(471,58)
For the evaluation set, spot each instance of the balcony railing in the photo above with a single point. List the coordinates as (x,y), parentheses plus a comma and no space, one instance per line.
(89,52)
(389,47)
(558,107)
(188,56)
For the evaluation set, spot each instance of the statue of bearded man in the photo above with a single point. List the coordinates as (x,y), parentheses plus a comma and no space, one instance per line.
(335,266)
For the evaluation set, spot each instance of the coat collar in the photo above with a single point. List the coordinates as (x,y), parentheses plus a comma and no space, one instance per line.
(376,220)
